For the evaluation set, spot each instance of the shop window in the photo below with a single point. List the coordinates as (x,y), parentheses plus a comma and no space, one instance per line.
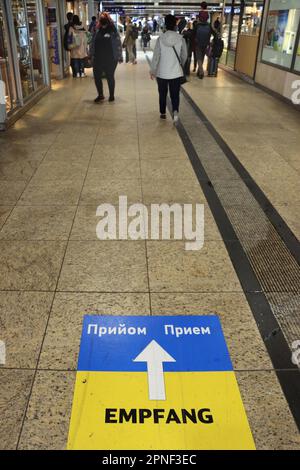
(297,61)
(27,32)
(280,33)
(34,38)
(251,20)
(6,68)
(23,46)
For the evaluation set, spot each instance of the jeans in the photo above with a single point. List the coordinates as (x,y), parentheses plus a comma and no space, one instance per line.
(78,65)
(109,72)
(174,88)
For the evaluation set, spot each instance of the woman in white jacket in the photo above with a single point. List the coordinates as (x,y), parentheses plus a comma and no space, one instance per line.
(170,48)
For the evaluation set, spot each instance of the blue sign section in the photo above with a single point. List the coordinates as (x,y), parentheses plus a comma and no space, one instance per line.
(196,343)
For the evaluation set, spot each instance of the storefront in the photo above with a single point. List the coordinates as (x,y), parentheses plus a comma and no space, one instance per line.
(85,9)
(279,55)
(241,30)
(55,14)
(24,67)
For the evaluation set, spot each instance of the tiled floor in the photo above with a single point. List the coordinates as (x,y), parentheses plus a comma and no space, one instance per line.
(62,160)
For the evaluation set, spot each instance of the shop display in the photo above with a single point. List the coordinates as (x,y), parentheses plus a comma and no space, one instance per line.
(297,61)
(6,74)
(21,57)
(251,19)
(280,33)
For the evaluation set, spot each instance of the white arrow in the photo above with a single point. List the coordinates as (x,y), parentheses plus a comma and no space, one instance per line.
(155,355)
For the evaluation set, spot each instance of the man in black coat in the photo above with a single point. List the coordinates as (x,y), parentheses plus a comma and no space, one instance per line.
(204,32)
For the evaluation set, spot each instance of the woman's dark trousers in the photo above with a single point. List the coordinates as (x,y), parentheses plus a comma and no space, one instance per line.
(173,86)
(108,71)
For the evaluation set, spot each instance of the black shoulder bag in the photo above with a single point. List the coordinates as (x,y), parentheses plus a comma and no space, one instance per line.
(183,79)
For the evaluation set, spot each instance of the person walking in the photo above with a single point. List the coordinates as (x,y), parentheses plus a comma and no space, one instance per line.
(169,57)
(93,25)
(106,52)
(216,51)
(78,45)
(131,36)
(203,34)
(188,35)
(195,24)
(146,38)
(67,27)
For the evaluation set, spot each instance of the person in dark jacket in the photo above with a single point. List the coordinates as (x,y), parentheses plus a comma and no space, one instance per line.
(106,52)
(188,34)
(67,27)
(146,38)
(181,25)
(203,34)
(93,25)
(215,54)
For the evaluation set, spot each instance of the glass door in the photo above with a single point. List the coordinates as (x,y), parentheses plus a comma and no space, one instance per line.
(23,46)
(35,43)
(234,32)
(6,63)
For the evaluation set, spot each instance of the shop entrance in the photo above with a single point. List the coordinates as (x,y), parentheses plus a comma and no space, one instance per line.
(6,64)
(23,55)
(241,28)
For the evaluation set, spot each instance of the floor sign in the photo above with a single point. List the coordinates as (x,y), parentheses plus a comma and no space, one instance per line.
(161,382)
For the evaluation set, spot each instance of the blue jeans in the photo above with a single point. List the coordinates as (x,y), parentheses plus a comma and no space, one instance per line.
(78,66)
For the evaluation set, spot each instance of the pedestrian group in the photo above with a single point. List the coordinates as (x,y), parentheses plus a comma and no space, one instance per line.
(101,48)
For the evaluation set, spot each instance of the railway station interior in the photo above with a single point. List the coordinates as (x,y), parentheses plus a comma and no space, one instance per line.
(211,325)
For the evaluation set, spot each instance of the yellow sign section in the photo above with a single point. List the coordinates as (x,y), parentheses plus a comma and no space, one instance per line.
(203,410)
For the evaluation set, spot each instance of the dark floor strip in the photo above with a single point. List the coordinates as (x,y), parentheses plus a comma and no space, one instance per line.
(271,333)
(268,326)
(290,240)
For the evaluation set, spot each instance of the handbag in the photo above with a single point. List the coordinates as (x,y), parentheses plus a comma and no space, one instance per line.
(183,79)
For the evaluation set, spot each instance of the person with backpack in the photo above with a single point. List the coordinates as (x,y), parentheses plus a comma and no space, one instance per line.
(131,36)
(106,52)
(78,46)
(169,57)
(203,34)
(216,51)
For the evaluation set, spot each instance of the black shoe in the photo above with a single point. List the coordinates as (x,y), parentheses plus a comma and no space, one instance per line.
(163,116)
(111,98)
(99,98)
(201,76)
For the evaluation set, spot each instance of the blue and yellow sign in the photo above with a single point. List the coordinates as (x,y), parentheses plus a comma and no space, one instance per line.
(156,383)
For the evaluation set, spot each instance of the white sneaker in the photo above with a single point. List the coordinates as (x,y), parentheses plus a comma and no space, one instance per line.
(175,117)
(78,75)
(83,75)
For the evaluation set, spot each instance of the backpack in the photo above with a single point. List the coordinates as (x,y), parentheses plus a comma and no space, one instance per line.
(217,47)
(134,33)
